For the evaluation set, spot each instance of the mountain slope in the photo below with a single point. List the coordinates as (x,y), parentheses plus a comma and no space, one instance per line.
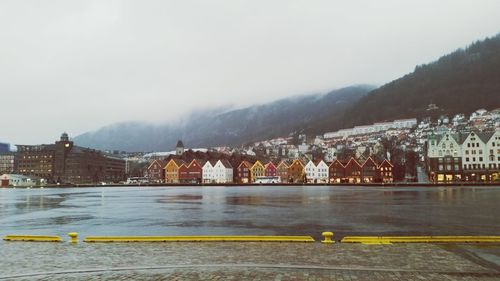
(460,82)
(235,127)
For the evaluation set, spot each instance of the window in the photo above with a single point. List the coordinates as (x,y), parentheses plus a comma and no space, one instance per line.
(468,145)
(440,168)
(466,159)
(467,152)
(456,167)
(480,151)
(480,159)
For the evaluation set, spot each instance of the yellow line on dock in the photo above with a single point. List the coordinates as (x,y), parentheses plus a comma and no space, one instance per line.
(199,239)
(32,238)
(420,239)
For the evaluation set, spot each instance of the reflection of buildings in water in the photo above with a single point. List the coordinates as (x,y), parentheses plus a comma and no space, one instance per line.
(245,200)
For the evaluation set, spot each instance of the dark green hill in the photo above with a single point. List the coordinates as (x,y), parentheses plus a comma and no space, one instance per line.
(461,82)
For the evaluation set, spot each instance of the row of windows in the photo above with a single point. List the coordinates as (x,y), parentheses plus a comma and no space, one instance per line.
(448,167)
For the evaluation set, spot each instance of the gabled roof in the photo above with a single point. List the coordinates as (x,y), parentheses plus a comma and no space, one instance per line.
(297,161)
(310,162)
(226,163)
(370,159)
(319,161)
(485,136)
(178,162)
(162,163)
(210,162)
(385,161)
(283,162)
(269,163)
(258,163)
(352,160)
(337,162)
(245,163)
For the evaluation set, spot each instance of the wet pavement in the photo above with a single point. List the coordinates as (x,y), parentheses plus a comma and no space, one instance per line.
(251,210)
(246,261)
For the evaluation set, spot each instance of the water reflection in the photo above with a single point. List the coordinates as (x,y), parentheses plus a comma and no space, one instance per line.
(251,210)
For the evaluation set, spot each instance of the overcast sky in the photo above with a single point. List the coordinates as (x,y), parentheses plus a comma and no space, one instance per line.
(76,66)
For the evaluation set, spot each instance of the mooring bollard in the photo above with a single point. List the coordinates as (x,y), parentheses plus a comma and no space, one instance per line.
(74,237)
(328,237)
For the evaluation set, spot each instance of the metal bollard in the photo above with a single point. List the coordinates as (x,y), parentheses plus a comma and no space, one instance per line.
(74,237)
(328,237)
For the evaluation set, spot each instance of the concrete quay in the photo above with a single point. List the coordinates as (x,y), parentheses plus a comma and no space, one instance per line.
(247,261)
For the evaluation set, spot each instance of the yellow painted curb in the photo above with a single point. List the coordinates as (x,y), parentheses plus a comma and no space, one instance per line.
(420,239)
(198,239)
(33,238)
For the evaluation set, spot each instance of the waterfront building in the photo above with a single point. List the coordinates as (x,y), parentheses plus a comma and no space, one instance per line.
(257,170)
(270,169)
(386,171)
(223,171)
(244,173)
(353,171)
(19,180)
(296,172)
(472,156)
(370,171)
(282,170)
(192,172)
(208,171)
(316,172)
(7,162)
(155,171)
(321,172)
(217,171)
(336,172)
(172,170)
(63,162)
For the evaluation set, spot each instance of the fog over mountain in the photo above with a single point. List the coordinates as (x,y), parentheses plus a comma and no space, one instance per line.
(236,127)
(76,66)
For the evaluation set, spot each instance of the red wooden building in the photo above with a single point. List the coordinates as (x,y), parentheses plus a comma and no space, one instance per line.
(192,172)
(270,169)
(155,172)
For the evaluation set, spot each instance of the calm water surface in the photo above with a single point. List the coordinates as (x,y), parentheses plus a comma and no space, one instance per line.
(251,210)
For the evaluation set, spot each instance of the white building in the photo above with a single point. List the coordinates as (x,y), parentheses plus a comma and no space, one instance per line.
(374,128)
(316,172)
(19,180)
(473,156)
(217,171)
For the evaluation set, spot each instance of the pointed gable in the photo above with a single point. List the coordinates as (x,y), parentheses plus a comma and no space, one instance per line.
(369,162)
(385,163)
(353,164)
(336,164)
(270,164)
(283,165)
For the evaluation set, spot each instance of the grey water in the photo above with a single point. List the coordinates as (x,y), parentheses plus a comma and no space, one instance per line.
(251,210)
